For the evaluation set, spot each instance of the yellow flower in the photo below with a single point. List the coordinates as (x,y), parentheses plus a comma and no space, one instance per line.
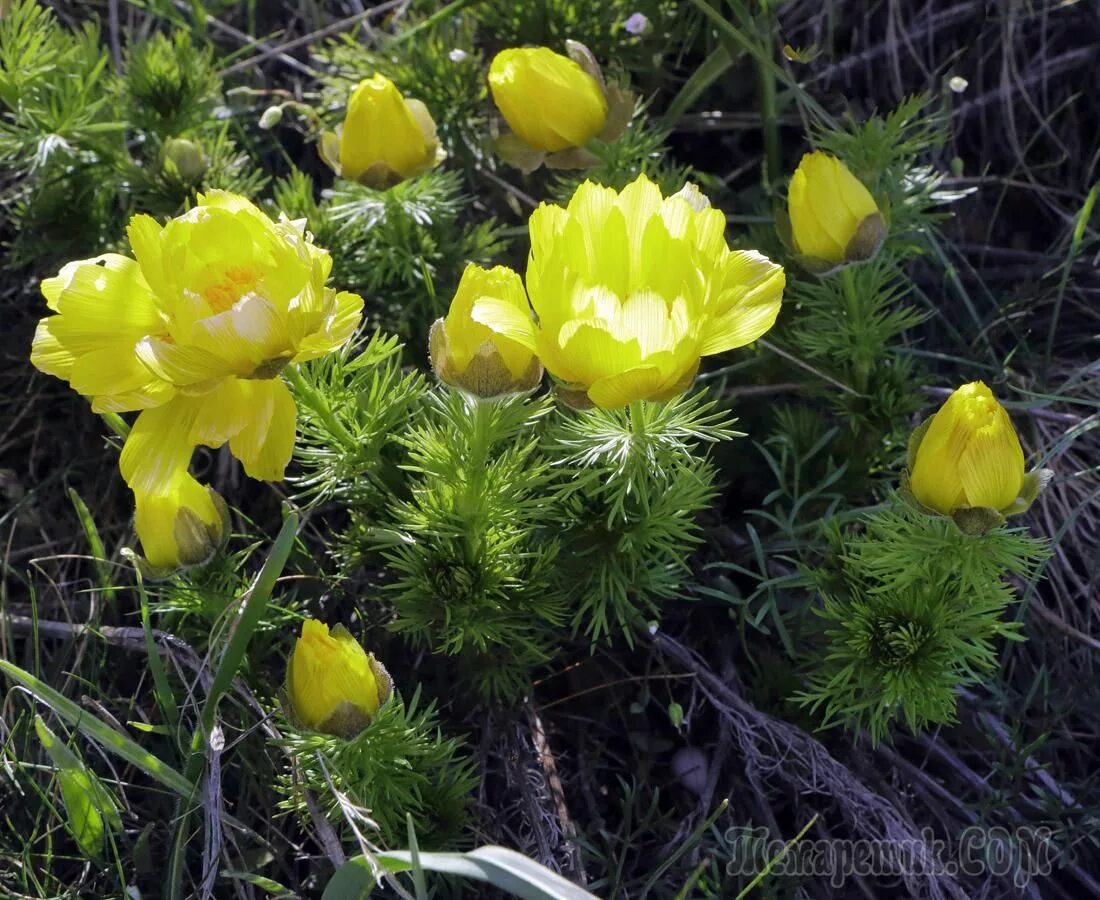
(182,524)
(385,137)
(469,355)
(632,288)
(967,455)
(194,333)
(333,685)
(547,99)
(834,219)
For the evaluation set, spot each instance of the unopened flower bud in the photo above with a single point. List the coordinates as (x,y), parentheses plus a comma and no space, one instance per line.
(185,157)
(966,462)
(834,218)
(385,137)
(467,354)
(333,685)
(272,116)
(181,524)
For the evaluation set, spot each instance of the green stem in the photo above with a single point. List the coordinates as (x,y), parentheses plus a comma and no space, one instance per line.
(860,366)
(313,398)
(769,120)
(471,501)
(637,419)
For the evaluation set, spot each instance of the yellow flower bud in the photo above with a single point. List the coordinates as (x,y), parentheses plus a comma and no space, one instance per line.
(547,99)
(469,355)
(834,218)
(631,288)
(385,137)
(967,455)
(181,524)
(333,685)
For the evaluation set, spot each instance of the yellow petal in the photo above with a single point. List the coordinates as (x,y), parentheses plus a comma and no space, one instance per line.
(992,466)
(159,446)
(810,236)
(623,388)
(339,326)
(182,365)
(749,305)
(506,319)
(223,413)
(47,353)
(266,443)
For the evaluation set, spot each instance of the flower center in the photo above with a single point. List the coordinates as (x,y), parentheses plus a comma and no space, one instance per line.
(236,281)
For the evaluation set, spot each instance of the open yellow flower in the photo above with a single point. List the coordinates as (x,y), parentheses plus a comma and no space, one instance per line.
(546,98)
(333,685)
(632,288)
(182,524)
(385,137)
(834,218)
(194,333)
(469,355)
(968,456)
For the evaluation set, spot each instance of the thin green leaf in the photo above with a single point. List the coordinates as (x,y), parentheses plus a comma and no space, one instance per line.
(90,808)
(98,731)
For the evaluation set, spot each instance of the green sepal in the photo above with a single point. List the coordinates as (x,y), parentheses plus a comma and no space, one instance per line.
(486,376)
(915,440)
(583,57)
(518,153)
(572,158)
(328,147)
(784,230)
(1033,484)
(620,110)
(977,519)
(815,265)
(869,236)
(575,396)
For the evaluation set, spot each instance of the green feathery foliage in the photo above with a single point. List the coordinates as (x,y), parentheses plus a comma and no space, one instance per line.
(630,483)
(472,551)
(914,614)
(171,85)
(403,249)
(399,765)
(354,406)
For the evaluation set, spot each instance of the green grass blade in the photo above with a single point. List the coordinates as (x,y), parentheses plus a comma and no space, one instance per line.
(90,809)
(713,68)
(95,542)
(166,700)
(254,607)
(98,731)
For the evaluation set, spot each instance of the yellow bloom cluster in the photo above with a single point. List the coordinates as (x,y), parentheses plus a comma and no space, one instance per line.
(630,290)
(554,105)
(333,685)
(194,332)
